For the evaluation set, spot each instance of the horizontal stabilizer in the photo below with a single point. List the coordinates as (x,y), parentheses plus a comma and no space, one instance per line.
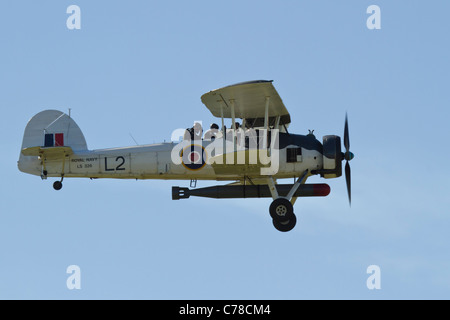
(48,152)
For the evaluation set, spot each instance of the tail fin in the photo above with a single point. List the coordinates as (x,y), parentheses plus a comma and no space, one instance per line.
(50,128)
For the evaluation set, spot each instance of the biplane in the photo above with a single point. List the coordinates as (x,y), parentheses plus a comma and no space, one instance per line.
(253,154)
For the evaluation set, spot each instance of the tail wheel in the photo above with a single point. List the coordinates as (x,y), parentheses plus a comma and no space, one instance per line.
(57,185)
(287,225)
(281,210)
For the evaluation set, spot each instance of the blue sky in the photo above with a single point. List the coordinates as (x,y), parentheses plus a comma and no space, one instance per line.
(140,67)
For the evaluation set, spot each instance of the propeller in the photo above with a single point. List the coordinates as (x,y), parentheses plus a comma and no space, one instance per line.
(348,156)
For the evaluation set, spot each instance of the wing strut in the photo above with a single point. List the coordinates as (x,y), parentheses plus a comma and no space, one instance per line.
(223,131)
(266,114)
(233,121)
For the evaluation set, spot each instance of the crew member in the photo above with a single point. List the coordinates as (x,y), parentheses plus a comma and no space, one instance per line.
(212,133)
(194,133)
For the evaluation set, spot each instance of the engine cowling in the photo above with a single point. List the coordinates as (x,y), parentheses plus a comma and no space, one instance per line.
(332,157)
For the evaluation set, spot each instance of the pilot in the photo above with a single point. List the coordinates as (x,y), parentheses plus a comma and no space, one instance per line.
(194,133)
(235,132)
(239,133)
(212,133)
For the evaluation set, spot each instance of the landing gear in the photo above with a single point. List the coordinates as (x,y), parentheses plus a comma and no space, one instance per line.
(54,153)
(282,208)
(57,185)
(282,213)
(285,226)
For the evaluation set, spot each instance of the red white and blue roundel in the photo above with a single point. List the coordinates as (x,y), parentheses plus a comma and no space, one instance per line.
(193,157)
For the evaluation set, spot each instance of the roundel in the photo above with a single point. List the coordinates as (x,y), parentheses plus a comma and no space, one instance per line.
(193,157)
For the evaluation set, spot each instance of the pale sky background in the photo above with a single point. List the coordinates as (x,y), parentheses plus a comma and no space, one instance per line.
(140,67)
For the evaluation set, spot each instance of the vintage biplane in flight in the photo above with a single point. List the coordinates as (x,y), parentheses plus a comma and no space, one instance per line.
(253,154)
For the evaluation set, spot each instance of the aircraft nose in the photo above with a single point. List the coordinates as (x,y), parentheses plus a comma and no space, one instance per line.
(349,156)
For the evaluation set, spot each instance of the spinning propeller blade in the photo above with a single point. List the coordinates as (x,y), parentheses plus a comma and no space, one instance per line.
(348,156)
(346,136)
(348,179)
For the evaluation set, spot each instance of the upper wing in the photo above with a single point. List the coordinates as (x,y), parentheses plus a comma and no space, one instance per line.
(249,102)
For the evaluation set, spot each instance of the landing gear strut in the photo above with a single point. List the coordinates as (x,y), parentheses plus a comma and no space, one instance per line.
(57,185)
(282,209)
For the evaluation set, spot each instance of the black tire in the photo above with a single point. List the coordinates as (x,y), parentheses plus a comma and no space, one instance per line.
(57,185)
(281,210)
(285,226)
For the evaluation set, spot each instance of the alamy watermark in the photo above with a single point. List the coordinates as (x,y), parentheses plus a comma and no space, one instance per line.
(374,21)
(374,280)
(74,280)
(235,147)
(74,20)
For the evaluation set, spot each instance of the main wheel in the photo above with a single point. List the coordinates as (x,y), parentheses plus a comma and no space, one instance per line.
(57,185)
(281,210)
(287,225)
